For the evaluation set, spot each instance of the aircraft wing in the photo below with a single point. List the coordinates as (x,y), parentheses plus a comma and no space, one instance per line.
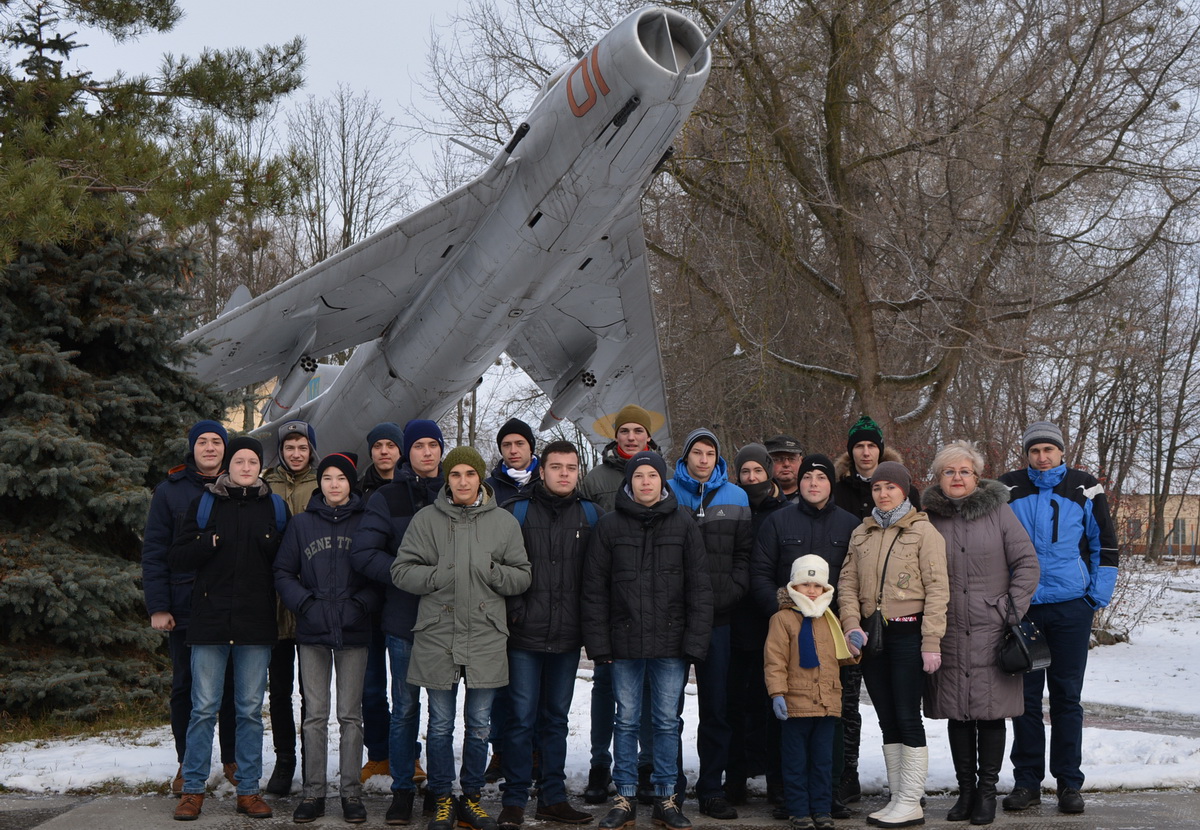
(349,298)
(593,348)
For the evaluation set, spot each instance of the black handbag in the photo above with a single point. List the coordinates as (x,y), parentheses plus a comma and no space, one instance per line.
(873,625)
(1024,647)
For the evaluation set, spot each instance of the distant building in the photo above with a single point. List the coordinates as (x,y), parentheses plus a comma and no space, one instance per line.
(1181,524)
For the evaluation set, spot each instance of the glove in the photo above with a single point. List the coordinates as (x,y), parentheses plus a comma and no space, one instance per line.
(931,661)
(779,707)
(856,638)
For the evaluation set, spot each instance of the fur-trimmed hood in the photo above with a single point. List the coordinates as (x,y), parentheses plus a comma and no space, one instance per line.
(987,497)
(844,466)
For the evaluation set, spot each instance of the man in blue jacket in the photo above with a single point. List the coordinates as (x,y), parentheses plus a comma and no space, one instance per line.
(722,509)
(1066,514)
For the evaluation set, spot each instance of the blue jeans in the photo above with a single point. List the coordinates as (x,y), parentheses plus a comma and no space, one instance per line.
(808,765)
(477,714)
(181,699)
(895,681)
(540,688)
(376,726)
(406,716)
(1067,627)
(715,732)
(667,676)
(208,683)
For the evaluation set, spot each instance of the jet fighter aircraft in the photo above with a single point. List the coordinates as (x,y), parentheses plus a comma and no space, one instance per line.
(542,256)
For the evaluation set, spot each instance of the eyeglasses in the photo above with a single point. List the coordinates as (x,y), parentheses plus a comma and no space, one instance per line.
(957,473)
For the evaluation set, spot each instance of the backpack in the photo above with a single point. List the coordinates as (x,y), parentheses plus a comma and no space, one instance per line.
(521,509)
(207,500)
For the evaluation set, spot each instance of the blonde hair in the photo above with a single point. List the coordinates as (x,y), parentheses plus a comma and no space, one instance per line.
(954,451)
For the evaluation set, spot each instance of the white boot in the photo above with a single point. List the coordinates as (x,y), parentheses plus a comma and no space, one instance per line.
(914,768)
(892,759)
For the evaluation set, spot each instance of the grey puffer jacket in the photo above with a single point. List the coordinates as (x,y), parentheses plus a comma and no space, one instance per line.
(988,557)
(462,562)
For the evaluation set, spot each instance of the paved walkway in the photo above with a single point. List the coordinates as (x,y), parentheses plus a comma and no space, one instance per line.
(1156,810)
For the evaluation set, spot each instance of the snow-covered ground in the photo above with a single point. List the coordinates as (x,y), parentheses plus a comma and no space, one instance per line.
(1153,681)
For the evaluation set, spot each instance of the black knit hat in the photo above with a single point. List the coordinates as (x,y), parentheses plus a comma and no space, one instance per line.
(864,429)
(242,442)
(641,459)
(347,462)
(515,426)
(818,462)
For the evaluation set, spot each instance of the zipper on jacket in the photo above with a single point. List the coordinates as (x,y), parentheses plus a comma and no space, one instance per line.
(1053,520)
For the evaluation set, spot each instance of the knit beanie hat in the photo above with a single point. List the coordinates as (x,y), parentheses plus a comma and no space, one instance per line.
(298,428)
(1041,432)
(201,427)
(894,472)
(347,462)
(463,455)
(515,426)
(751,452)
(386,430)
(419,428)
(810,568)
(783,443)
(865,429)
(641,459)
(632,414)
(242,442)
(818,462)
(700,434)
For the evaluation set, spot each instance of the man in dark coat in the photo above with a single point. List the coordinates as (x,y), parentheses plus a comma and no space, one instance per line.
(647,610)
(517,470)
(389,510)
(169,593)
(544,638)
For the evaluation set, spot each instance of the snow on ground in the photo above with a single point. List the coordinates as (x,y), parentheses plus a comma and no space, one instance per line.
(1155,679)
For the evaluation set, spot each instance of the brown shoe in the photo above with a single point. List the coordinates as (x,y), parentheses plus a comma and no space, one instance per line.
(372,768)
(188,808)
(419,775)
(230,774)
(561,812)
(511,817)
(253,806)
(177,783)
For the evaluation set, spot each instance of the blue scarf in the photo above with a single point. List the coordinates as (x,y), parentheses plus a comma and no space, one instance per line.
(808,646)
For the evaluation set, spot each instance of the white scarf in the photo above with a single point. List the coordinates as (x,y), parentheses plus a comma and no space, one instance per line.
(811,607)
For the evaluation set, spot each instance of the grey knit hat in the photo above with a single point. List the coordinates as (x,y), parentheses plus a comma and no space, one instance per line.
(895,472)
(1042,432)
(751,452)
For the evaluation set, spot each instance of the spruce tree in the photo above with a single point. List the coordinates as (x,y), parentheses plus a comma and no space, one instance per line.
(94,178)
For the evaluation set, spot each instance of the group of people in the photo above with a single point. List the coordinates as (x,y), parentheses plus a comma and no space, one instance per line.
(786,582)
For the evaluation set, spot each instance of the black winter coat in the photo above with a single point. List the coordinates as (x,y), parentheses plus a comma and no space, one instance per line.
(233,599)
(333,603)
(504,488)
(556,531)
(794,531)
(167,589)
(646,589)
(389,510)
(748,626)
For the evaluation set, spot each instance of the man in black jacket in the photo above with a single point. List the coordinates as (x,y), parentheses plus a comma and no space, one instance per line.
(647,610)
(516,472)
(544,638)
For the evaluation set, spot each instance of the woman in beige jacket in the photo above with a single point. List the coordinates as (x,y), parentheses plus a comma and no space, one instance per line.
(897,548)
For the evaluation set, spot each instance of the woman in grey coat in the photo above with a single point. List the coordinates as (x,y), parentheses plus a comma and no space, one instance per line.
(990,562)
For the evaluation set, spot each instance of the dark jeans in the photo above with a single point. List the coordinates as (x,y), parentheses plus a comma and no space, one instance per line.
(714,732)
(748,712)
(501,718)
(604,714)
(808,765)
(1067,627)
(281,677)
(895,681)
(403,749)
(181,699)
(375,715)
(540,688)
(851,718)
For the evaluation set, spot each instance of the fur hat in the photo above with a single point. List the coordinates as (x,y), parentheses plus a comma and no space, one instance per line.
(1041,432)
(810,568)
(515,426)
(347,462)
(298,428)
(632,414)
(895,472)
(819,463)
(386,430)
(463,455)
(201,427)
(751,452)
(419,428)
(864,429)
(242,442)
(640,460)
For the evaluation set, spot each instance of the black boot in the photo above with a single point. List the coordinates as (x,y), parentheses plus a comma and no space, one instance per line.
(645,790)
(309,809)
(401,809)
(991,758)
(281,777)
(962,752)
(597,785)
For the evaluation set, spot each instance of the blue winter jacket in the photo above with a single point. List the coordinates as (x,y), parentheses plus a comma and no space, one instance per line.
(1065,512)
(724,521)
(333,603)
(389,510)
(167,590)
